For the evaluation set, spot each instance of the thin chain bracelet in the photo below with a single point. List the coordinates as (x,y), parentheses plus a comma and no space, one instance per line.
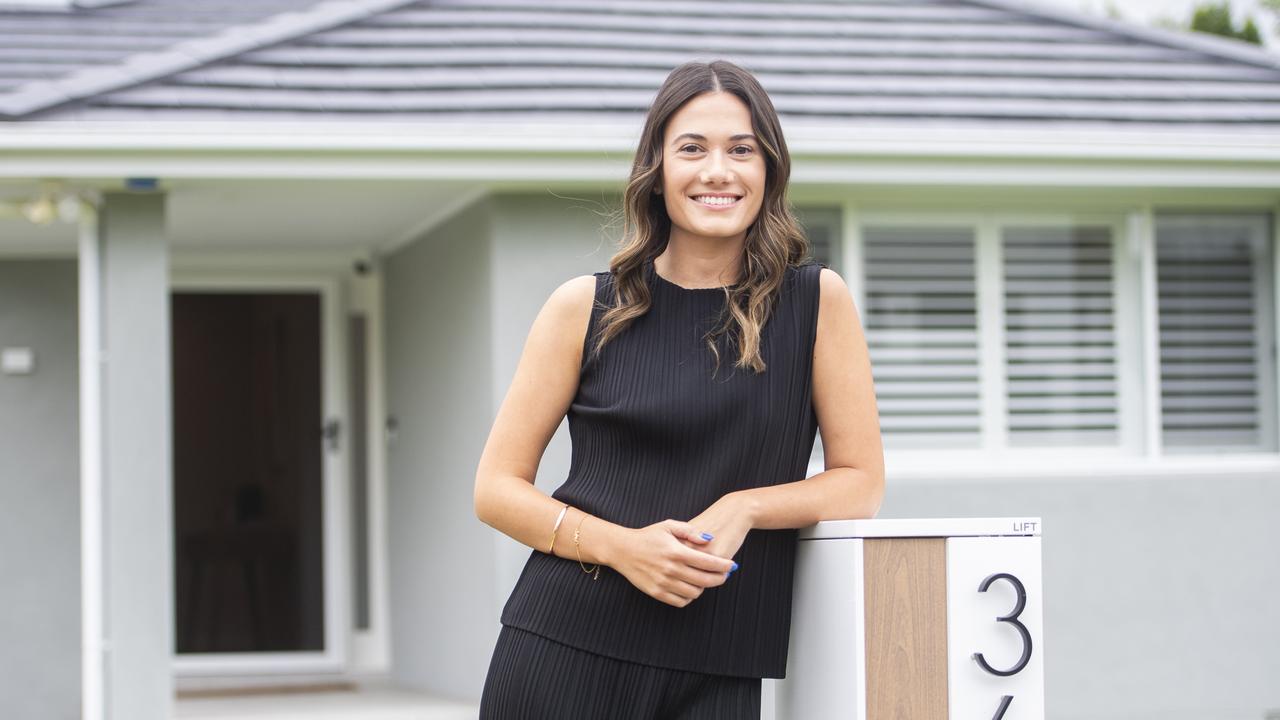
(576,534)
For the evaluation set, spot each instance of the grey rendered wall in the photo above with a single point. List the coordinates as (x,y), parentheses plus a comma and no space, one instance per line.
(438,350)
(459,302)
(1160,592)
(40,494)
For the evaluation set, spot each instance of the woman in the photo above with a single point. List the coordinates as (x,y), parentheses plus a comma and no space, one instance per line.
(632,603)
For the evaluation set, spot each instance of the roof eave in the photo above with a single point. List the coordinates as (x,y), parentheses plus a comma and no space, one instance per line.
(808,139)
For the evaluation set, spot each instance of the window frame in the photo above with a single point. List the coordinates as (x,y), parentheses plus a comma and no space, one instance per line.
(1136,326)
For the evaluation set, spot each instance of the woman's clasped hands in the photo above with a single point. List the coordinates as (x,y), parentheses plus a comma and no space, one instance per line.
(674,561)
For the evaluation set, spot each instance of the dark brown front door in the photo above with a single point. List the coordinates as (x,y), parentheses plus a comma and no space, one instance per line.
(248,479)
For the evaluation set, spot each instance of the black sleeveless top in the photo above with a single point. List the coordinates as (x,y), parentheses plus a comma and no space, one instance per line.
(654,437)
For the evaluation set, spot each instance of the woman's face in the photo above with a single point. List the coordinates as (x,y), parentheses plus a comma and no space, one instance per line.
(709,149)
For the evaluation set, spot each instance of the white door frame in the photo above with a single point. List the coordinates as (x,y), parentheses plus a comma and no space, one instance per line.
(336,531)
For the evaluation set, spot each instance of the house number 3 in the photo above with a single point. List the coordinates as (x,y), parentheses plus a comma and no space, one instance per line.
(1011,618)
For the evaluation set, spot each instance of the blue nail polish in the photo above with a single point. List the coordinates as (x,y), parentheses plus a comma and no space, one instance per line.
(706,536)
(735,567)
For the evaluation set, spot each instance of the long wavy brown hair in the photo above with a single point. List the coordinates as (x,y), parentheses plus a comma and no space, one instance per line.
(773,241)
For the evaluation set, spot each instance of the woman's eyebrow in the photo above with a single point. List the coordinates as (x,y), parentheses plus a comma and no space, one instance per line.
(696,136)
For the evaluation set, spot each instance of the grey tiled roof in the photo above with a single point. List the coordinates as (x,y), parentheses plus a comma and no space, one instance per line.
(916,61)
(49,58)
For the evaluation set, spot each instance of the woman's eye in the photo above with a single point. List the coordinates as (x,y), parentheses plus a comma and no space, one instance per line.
(748,149)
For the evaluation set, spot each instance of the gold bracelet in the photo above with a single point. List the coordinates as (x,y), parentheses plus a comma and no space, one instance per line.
(552,549)
(578,548)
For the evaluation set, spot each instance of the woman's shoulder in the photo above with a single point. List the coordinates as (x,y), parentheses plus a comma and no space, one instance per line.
(817,286)
(566,315)
(803,275)
(829,281)
(570,303)
(577,287)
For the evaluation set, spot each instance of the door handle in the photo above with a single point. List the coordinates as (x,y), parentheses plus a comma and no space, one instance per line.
(330,432)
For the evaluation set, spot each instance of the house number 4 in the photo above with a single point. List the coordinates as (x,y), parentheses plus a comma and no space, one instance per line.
(1011,618)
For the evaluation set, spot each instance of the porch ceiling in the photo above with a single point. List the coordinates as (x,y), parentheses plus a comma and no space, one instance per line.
(243,215)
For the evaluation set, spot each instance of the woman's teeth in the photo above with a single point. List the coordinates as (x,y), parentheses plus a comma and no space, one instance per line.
(706,200)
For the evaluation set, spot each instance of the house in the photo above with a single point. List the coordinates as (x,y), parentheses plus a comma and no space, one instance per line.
(266,270)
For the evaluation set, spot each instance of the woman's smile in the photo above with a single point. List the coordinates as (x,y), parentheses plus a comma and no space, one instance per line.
(717,201)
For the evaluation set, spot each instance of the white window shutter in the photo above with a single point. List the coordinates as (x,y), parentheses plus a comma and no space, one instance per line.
(1060,339)
(1215,345)
(921,329)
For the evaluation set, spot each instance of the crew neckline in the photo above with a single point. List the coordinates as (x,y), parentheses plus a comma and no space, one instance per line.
(653,270)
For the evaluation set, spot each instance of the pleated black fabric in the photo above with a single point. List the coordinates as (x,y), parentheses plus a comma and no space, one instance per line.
(654,436)
(533,678)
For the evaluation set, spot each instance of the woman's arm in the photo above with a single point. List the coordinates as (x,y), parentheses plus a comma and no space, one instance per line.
(544,384)
(852,486)
(653,558)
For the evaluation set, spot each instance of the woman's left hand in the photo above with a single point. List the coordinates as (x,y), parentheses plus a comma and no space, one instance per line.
(727,521)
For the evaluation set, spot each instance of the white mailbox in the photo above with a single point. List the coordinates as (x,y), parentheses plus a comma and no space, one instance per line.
(928,619)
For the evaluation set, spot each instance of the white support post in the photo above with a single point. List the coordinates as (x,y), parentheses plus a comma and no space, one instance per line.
(1130,334)
(1145,226)
(92,596)
(128,531)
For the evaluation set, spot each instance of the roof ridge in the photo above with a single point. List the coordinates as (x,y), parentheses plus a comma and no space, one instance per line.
(1221,47)
(188,54)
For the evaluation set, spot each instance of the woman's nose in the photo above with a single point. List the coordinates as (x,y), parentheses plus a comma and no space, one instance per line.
(716,168)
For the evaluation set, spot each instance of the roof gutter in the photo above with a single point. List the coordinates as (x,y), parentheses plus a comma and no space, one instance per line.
(618,140)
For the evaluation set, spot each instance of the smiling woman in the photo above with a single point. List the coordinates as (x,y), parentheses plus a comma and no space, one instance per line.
(632,603)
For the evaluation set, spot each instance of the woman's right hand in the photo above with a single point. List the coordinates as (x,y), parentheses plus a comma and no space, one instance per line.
(655,560)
